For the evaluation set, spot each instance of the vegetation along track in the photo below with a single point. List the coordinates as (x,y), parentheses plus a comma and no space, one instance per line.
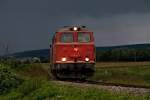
(115,84)
(114,87)
(118,88)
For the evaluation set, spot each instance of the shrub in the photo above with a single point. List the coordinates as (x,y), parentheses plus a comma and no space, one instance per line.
(8,79)
(29,86)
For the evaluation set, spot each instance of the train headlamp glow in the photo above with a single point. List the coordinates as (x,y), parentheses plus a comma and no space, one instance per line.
(75,28)
(64,59)
(75,49)
(87,59)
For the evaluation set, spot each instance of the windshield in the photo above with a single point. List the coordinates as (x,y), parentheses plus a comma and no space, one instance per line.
(66,37)
(83,37)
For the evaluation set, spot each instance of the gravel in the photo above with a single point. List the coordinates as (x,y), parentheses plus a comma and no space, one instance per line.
(115,89)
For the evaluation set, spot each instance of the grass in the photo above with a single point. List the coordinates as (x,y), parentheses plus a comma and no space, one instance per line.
(121,64)
(38,89)
(137,73)
(34,70)
(37,84)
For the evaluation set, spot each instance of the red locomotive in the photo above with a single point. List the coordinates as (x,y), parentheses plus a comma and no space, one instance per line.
(73,53)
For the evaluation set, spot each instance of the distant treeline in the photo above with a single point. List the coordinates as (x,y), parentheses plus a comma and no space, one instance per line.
(123,54)
(136,52)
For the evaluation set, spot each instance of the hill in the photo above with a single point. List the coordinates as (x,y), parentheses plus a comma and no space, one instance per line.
(131,46)
(44,53)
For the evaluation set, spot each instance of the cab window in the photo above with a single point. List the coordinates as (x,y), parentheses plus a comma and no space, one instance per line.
(66,37)
(83,37)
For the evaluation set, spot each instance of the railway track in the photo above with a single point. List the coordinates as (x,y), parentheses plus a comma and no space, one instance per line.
(112,84)
(117,88)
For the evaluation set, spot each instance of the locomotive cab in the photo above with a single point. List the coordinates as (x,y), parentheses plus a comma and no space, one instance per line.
(73,53)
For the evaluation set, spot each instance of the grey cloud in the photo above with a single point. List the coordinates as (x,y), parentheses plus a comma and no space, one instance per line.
(119,29)
(93,8)
(30,24)
(98,8)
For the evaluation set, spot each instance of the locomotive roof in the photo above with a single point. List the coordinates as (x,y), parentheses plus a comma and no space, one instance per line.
(68,28)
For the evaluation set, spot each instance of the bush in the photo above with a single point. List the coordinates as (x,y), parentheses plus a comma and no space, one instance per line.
(11,62)
(29,86)
(8,79)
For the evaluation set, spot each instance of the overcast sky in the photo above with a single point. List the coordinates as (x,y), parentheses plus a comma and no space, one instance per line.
(30,24)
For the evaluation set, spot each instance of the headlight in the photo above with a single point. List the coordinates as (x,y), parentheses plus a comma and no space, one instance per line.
(75,28)
(75,49)
(87,59)
(64,59)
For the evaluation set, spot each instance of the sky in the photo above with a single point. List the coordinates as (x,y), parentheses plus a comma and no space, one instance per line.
(30,24)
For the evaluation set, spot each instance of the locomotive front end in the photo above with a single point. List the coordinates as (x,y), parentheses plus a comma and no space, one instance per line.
(73,53)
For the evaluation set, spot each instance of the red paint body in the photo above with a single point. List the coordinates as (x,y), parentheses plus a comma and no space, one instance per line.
(74,52)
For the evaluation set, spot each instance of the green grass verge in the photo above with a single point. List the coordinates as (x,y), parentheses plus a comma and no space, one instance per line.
(137,73)
(34,70)
(39,89)
(128,74)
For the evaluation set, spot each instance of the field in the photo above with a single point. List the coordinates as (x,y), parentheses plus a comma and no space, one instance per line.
(137,73)
(37,84)
(36,89)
